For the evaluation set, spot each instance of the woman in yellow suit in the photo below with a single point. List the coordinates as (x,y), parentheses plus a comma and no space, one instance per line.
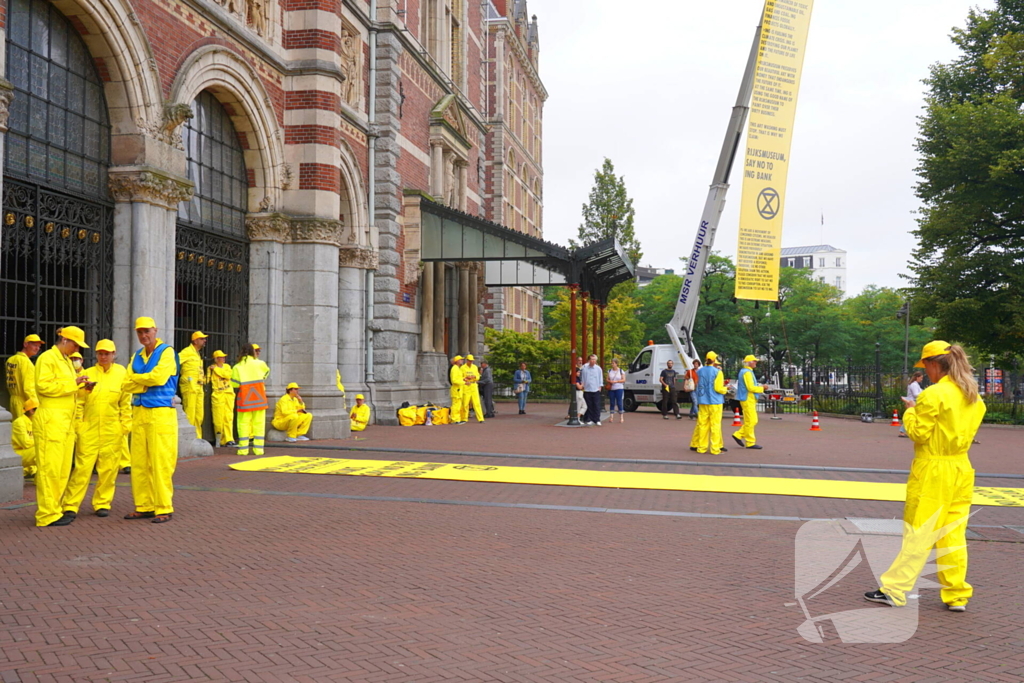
(103,433)
(248,378)
(222,399)
(471,390)
(290,415)
(53,425)
(458,385)
(746,393)
(942,424)
(22,439)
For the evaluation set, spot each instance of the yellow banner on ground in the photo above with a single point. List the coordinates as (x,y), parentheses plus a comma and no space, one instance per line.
(780,60)
(660,481)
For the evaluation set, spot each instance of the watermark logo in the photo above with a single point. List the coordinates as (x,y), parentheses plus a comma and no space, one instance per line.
(838,560)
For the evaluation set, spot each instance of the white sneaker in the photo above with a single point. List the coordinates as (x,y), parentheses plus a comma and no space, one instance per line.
(598,424)
(588,424)
(290,439)
(957,608)
(303,438)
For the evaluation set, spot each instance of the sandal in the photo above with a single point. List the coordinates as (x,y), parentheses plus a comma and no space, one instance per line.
(140,515)
(160,519)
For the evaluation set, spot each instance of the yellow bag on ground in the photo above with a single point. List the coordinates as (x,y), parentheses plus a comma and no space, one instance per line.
(421,415)
(407,416)
(441,416)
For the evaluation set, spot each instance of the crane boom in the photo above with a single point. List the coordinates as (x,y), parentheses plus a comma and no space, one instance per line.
(680,329)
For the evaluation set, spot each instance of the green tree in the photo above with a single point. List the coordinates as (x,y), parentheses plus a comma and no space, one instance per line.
(966,267)
(622,328)
(506,349)
(657,306)
(609,213)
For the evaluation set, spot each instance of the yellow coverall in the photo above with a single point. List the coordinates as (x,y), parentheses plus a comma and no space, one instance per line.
(24,443)
(939,493)
(709,421)
(222,402)
(191,386)
(287,417)
(54,428)
(21,382)
(247,377)
(458,385)
(471,392)
(102,439)
(360,417)
(746,432)
(154,438)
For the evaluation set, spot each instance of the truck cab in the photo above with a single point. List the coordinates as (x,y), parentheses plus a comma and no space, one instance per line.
(642,375)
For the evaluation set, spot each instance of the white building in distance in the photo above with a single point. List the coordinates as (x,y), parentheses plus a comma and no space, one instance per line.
(826,263)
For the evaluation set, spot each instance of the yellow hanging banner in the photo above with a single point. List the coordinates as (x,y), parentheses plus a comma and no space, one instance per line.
(780,60)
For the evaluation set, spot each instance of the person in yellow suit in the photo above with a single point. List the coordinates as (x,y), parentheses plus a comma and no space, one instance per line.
(192,381)
(710,397)
(290,415)
(458,384)
(103,433)
(471,390)
(21,374)
(942,423)
(222,399)
(54,424)
(152,378)
(360,415)
(248,377)
(22,439)
(746,393)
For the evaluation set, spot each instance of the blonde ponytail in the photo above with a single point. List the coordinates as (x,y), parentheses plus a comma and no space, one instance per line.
(957,366)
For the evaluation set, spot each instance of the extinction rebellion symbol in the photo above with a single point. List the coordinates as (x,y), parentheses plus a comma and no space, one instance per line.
(768,203)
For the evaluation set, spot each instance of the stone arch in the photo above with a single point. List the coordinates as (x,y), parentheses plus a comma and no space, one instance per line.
(352,195)
(240,90)
(116,41)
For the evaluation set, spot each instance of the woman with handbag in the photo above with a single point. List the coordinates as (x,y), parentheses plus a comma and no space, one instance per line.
(616,391)
(522,378)
(690,387)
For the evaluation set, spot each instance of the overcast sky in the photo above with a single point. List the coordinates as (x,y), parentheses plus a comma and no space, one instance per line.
(651,85)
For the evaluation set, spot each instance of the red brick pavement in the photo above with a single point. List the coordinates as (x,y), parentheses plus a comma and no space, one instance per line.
(305,582)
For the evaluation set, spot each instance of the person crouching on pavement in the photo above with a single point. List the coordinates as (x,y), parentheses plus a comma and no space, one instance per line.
(360,415)
(22,440)
(746,393)
(942,423)
(290,415)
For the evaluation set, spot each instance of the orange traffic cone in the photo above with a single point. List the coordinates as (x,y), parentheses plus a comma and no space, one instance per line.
(736,420)
(815,425)
(895,418)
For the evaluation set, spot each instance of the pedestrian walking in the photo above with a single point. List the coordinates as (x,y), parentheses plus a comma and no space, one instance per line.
(747,390)
(222,399)
(942,423)
(57,386)
(591,380)
(102,434)
(248,378)
(21,375)
(692,378)
(616,391)
(522,379)
(457,383)
(669,401)
(486,385)
(581,404)
(290,415)
(913,391)
(152,378)
(192,381)
(710,397)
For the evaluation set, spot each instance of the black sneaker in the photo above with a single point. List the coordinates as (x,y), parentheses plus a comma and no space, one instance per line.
(63,521)
(739,441)
(693,448)
(103,512)
(126,470)
(879,597)
(755,447)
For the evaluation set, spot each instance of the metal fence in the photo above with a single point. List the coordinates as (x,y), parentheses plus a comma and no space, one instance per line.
(550,380)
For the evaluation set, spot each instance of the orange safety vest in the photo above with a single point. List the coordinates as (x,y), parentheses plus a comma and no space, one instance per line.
(247,376)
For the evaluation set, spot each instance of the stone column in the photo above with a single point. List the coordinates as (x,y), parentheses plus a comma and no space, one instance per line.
(427,308)
(439,308)
(353,263)
(460,177)
(464,309)
(436,171)
(473,314)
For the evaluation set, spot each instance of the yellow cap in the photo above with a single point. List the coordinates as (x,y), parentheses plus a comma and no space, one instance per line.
(932,349)
(199,335)
(750,358)
(76,354)
(75,334)
(33,338)
(292,385)
(30,404)
(144,323)
(219,354)
(255,347)
(457,358)
(360,396)
(711,356)
(470,357)
(106,345)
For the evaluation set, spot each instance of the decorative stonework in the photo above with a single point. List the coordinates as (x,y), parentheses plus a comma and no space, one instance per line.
(6,96)
(351,64)
(276,227)
(168,129)
(150,187)
(357,257)
(253,13)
